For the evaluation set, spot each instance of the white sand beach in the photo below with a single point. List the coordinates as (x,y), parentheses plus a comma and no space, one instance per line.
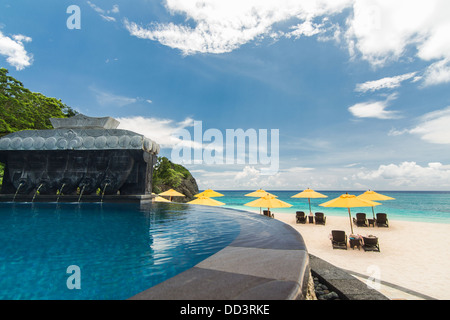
(413,262)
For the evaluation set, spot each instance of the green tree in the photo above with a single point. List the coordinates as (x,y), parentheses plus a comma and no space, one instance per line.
(166,173)
(21,109)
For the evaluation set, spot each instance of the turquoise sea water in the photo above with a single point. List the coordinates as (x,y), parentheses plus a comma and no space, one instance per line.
(422,206)
(120,249)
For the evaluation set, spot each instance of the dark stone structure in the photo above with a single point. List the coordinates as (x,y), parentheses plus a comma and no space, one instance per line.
(80,155)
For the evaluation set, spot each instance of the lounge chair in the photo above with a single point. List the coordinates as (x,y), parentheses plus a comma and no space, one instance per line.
(382,220)
(301,218)
(338,239)
(361,220)
(268,213)
(320,218)
(370,243)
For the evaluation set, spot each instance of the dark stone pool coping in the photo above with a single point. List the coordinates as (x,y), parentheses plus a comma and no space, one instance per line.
(340,281)
(268,260)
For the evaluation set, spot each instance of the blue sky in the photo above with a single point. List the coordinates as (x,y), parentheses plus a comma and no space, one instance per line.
(359,90)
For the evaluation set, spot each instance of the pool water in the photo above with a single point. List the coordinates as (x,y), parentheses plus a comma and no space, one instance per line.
(120,249)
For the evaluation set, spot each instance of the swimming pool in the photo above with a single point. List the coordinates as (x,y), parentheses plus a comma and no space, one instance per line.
(120,249)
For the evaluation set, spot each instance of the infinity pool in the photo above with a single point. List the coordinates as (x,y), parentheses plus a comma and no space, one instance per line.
(120,249)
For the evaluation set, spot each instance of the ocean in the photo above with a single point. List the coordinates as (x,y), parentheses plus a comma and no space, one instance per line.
(420,206)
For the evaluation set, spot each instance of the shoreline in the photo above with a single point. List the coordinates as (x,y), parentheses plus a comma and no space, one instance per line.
(411,264)
(422,218)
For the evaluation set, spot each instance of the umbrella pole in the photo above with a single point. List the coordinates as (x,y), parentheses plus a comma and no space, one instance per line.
(309,201)
(350,217)
(373,212)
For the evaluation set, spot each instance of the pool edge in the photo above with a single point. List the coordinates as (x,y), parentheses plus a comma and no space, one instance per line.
(268,260)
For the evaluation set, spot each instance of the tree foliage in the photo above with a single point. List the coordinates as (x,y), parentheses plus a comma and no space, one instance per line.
(21,109)
(166,173)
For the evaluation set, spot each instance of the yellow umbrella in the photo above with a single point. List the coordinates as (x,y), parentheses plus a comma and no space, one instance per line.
(209,193)
(349,201)
(159,199)
(171,193)
(206,201)
(308,193)
(374,196)
(258,194)
(268,201)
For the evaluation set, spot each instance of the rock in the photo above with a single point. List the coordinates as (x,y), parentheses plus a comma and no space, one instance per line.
(168,175)
(323,292)
(330,296)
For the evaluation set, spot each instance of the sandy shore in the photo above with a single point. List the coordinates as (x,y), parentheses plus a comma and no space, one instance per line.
(414,261)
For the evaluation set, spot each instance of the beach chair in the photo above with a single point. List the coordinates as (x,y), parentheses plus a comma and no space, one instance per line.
(320,218)
(268,214)
(370,243)
(338,239)
(300,216)
(361,220)
(382,220)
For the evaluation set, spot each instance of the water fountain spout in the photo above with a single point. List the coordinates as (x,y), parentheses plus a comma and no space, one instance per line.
(81,193)
(17,190)
(104,189)
(37,190)
(60,191)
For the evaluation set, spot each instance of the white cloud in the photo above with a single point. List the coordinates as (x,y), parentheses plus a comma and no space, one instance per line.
(250,178)
(249,174)
(434,127)
(437,73)
(115,9)
(298,170)
(108,18)
(395,132)
(410,174)
(21,38)
(406,175)
(162,131)
(105,14)
(306,28)
(352,165)
(223,26)
(374,109)
(14,50)
(385,83)
(382,31)
(109,99)
(379,31)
